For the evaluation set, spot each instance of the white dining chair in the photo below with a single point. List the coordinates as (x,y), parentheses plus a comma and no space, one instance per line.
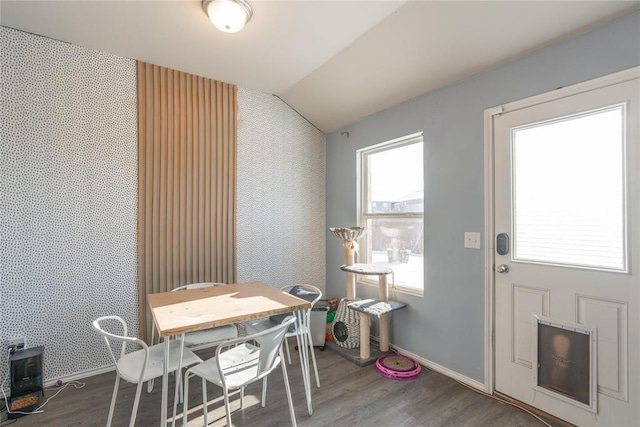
(240,362)
(306,292)
(140,365)
(200,340)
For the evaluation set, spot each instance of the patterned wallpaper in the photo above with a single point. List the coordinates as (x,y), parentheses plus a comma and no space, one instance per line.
(281,193)
(68,183)
(68,187)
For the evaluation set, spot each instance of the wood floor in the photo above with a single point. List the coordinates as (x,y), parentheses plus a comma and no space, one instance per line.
(350,396)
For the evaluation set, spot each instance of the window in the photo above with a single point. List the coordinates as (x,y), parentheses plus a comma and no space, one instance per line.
(573,213)
(391,208)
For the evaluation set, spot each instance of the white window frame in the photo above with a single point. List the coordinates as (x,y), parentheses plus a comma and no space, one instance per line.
(362,191)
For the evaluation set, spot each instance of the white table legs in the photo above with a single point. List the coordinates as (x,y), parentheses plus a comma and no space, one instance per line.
(303,348)
(165,384)
(178,385)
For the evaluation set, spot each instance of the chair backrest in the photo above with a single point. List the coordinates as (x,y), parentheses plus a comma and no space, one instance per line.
(268,344)
(106,325)
(197,286)
(308,288)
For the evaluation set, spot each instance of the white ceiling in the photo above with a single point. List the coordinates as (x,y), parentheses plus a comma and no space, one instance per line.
(334,62)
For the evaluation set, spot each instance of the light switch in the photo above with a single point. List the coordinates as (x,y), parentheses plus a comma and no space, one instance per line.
(471,240)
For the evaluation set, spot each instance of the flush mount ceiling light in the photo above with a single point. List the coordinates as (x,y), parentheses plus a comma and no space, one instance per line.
(229,16)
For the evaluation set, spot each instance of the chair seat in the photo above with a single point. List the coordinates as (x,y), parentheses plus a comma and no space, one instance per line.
(259,325)
(204,338)
(130,364)
(243,359)
(264,324)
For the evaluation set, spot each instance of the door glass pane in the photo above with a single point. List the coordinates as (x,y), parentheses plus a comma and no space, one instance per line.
(569,191)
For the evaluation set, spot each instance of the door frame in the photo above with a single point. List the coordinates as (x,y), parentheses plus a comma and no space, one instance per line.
(489,115)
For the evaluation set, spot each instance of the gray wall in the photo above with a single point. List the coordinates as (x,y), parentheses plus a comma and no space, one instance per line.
(446,326)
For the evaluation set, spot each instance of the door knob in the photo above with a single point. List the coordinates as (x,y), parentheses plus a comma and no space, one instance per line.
(502,269)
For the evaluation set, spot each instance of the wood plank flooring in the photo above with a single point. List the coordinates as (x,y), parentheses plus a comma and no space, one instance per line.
(349,396)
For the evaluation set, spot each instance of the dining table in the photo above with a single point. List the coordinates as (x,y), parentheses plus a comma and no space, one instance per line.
(177,313)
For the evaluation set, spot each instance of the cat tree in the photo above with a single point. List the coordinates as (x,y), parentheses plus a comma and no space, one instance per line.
(349,235)
(380,308)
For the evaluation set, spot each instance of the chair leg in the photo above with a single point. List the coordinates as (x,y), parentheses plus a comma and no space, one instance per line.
(227,407)
(185,407)
(288,390)
(286,344)
(313,357)
(264,392)
(136,401)
(150,385)
(178,391)
(113,399)
(304,365)
(242,397)
(205,400)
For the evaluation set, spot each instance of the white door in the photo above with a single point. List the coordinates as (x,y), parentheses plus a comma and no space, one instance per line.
(567,194)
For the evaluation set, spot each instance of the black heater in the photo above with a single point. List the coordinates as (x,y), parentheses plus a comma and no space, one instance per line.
(27,391)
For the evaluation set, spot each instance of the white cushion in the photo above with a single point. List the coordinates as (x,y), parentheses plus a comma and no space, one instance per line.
(210,337)
(130,364)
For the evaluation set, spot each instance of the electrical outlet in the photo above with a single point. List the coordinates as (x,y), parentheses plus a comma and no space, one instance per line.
(16,344)
(471,240)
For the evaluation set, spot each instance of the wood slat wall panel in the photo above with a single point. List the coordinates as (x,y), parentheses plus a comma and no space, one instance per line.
(187,144)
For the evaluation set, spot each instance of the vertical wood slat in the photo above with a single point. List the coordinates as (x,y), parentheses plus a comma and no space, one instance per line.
(219,192)
(186,182)
(153,145)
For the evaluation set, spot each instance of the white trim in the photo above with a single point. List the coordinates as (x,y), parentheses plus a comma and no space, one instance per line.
(489,114)
(406,138)
(565,92)
(81,375)
(488,247)
(442,370)
(74,377)
(362,192)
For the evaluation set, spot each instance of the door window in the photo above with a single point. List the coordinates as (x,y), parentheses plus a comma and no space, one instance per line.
(569,190)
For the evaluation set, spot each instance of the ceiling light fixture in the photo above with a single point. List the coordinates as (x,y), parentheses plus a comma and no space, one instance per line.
(229,16)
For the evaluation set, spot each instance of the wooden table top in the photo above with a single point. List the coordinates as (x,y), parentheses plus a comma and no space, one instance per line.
(196,309)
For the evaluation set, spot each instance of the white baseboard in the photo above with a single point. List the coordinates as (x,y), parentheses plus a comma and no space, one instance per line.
(80,375)
(73,377)
(424,362)
(442,370)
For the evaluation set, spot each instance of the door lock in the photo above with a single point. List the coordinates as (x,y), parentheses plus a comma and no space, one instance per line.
(502,269)
(502,244)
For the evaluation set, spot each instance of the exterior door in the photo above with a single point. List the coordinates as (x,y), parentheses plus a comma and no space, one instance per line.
(566,198)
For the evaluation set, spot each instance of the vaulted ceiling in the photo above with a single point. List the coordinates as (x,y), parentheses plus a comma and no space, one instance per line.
(334,62)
